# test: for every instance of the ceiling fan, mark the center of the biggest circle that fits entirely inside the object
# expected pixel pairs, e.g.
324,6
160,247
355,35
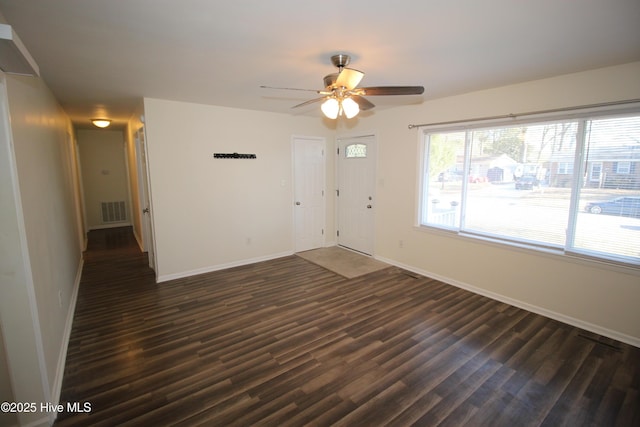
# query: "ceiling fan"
342,95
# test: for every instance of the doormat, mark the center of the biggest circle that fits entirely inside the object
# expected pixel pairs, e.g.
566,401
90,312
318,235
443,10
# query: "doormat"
342,261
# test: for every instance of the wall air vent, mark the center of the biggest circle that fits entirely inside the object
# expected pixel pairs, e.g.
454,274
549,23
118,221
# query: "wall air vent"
113,212
14,57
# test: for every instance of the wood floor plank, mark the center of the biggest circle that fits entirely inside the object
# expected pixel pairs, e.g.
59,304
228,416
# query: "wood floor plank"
286,342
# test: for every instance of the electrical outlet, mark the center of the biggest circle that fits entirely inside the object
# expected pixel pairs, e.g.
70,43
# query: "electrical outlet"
60,298
401,244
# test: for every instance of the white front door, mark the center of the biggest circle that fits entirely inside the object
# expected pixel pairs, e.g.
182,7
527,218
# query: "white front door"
309,192
356,198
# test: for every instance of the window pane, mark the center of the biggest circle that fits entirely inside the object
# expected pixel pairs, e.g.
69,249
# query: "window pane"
609,201
443,179
516,189
355,151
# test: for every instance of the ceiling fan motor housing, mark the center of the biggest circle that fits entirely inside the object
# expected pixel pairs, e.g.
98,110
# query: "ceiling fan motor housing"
330,80
340,60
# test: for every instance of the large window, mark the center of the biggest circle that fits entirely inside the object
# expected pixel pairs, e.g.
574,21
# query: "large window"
568,185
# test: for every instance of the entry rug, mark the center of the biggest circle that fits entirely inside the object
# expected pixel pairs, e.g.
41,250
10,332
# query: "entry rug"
343,261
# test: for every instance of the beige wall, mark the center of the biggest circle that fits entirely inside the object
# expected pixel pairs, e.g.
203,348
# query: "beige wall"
590,294
39,291
210,213
104,173
6,393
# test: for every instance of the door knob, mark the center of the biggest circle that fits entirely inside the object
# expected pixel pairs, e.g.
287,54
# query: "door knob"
368,206
145,210
298,203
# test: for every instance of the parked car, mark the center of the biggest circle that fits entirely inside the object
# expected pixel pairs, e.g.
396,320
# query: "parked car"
444,177
474,179
624,206
449,177
527,182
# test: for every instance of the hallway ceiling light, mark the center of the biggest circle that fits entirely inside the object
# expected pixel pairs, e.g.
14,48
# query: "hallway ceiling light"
101,123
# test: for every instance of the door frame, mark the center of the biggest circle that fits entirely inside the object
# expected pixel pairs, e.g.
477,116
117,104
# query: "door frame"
337,185
323,141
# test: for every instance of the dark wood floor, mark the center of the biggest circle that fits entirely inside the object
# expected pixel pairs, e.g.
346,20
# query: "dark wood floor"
288,343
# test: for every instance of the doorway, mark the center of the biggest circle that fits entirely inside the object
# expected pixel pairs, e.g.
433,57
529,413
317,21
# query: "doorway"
356,193
309,192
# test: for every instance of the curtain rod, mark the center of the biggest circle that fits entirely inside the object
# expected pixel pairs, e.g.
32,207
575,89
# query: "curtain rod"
530,113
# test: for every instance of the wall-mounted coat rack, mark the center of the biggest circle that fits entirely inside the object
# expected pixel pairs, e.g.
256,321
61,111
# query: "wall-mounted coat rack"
233,156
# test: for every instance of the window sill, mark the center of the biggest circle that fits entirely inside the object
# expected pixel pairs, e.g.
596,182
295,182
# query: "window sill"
535,250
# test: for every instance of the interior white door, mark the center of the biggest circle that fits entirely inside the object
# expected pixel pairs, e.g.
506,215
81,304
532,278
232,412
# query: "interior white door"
356,198
309,192
145,198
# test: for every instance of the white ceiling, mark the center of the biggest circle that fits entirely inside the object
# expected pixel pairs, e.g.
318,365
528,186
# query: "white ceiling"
100,57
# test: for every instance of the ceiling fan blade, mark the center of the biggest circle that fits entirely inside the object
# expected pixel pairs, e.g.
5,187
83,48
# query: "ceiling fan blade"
391,90
349,78
311,101
289,88
363,103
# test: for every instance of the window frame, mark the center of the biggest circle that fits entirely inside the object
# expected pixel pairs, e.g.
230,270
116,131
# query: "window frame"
623,170
566,168
580,173
356,151
592,168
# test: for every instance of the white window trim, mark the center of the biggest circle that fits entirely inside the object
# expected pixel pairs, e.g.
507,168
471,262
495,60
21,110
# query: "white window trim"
566,251
625,170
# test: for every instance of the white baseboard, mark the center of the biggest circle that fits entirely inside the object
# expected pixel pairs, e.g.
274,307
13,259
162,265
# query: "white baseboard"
115,225
597,329
56,388
167,277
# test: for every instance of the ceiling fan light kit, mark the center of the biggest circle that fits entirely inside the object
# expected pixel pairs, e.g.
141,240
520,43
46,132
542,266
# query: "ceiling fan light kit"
334,107
350,108
331,108
341,96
